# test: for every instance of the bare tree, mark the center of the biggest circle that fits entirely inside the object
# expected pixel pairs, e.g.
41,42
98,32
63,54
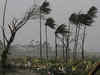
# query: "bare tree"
14,26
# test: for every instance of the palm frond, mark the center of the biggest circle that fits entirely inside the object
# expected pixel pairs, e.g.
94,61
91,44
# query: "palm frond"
62,29
45,8
92,11
74,18
50,22
86,20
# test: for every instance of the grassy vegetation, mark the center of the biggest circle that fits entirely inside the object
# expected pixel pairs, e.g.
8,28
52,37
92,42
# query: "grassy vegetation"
71,68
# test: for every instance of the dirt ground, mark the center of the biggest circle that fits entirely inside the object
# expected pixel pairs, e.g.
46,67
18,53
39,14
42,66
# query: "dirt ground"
20,72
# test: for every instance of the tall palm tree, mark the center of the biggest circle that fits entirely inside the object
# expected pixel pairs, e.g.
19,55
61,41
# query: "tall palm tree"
50,23
44,9
75,19
61,30
79,20
86,20
68,42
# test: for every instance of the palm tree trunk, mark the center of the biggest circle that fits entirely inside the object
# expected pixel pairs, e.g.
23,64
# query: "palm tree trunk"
56,46
74,49
68,41
46,42
67,50
67,47
63,49
40,37
83,42
76,41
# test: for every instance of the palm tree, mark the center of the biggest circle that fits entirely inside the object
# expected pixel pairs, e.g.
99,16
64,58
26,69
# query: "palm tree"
50,23
75,19
80,20
68,42
61,30
86,20
44,9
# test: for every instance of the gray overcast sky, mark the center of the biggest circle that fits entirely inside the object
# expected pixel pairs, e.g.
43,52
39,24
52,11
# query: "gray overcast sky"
61,10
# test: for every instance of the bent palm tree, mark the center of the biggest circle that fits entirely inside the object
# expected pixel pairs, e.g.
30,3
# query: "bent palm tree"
50,23
75,19
62,30
87,20
44,9
82,19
